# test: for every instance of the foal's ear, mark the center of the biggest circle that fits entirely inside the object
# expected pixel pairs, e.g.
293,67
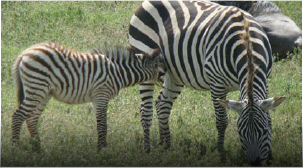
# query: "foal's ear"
155,53
158,56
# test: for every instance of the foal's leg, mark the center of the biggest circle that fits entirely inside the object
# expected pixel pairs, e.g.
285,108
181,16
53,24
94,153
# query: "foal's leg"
100,103
35,99
25,111
22,113
32,123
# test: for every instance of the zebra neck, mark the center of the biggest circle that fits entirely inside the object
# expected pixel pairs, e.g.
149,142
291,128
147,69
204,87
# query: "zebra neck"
132,74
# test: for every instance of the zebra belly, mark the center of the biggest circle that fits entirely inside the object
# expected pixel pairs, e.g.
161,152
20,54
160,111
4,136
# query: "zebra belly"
72,96
204,81
79,92
204,86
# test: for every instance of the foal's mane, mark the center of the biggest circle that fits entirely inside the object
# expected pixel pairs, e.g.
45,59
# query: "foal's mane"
115,52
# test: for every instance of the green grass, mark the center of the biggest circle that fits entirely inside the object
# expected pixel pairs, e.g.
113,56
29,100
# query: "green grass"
68,132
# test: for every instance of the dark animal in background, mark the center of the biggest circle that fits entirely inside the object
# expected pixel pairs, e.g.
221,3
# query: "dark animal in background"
283,32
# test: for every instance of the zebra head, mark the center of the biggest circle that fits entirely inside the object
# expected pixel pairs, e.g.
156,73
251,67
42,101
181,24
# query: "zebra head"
254,126
153,61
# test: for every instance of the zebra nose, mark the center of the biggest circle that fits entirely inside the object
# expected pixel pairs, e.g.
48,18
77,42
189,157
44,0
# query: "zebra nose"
256,162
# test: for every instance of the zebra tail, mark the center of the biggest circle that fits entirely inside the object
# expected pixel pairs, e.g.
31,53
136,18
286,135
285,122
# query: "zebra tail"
18,81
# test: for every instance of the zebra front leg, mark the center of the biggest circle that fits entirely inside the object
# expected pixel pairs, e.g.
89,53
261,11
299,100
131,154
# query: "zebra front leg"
100,103
221,120
146,110
270,157
169,93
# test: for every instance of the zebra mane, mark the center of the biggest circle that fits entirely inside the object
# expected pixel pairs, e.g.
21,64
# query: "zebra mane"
111,52
115,53
250,63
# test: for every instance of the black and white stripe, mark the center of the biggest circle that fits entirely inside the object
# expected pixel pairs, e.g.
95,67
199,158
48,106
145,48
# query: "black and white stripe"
206,46
51,70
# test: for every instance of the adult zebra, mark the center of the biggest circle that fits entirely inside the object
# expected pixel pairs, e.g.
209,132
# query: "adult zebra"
207,46
51,70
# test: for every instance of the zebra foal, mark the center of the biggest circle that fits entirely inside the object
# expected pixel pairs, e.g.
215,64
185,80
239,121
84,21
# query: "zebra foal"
51,70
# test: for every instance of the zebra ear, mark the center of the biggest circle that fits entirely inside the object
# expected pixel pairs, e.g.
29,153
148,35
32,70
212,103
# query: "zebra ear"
271,103
231,104
155,53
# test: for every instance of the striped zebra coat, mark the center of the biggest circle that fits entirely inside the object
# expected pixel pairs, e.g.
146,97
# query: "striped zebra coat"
207,46
51,70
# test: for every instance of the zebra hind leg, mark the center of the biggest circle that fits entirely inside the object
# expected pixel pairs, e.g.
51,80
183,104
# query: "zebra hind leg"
17,121
24,112
270,158
32,125
168,95
146,110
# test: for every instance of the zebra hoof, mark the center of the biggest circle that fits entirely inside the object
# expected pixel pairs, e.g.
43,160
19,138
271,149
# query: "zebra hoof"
212,149
269,160
100,148
203,149
36,148
35,145
161,142
147,150
223,154
15,142
167,146
165,143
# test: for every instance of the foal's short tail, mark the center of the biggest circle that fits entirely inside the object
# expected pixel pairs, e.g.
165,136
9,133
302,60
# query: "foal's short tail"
18,81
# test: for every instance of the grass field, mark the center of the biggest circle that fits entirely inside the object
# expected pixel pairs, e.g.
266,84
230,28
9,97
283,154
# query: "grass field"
68,132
